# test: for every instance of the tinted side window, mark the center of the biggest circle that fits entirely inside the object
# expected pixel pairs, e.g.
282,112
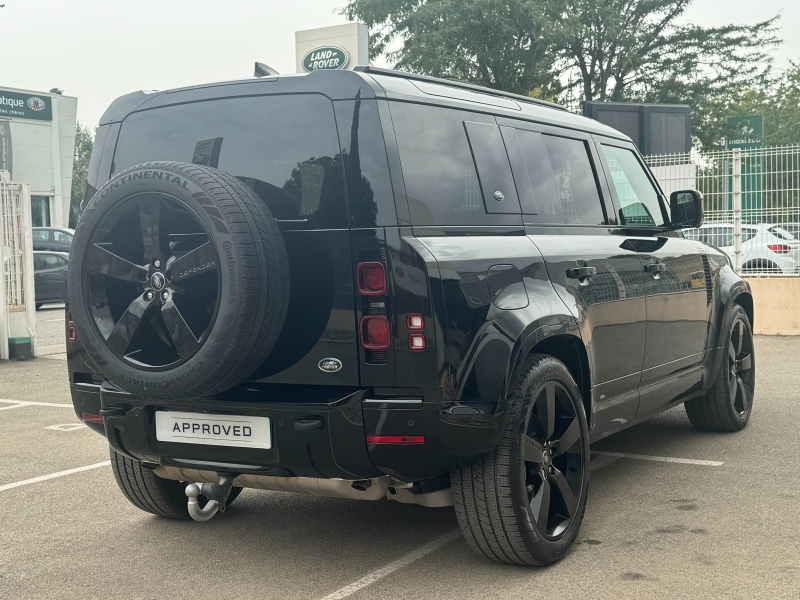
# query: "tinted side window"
62,237
494,172
39,235
284,147
638,198
440,177
561,177
748,233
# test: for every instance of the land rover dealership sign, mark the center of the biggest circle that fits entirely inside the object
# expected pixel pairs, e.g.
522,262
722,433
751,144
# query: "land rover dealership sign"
25,106
325,57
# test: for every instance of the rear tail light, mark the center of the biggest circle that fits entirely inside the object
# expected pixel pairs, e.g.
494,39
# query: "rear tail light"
416,341
371,278
375,333
71,333
91,417
779,248
395,439
416,322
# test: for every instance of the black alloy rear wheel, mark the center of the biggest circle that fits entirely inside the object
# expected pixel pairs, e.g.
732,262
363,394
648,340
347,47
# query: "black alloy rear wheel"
179,280
524,503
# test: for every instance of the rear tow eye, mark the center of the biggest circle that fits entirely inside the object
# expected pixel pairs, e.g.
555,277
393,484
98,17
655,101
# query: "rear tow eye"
217,494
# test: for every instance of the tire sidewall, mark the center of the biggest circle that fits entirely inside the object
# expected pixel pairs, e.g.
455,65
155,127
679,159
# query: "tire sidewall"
736,313
547,369
160,178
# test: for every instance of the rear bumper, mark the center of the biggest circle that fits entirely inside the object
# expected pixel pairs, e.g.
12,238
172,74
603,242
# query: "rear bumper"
338,449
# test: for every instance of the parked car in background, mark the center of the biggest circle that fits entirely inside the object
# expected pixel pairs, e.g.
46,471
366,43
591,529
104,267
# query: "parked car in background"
50,277
793,228
765,248
52,238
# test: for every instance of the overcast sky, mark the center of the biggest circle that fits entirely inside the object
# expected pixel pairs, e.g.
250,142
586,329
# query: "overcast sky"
98,50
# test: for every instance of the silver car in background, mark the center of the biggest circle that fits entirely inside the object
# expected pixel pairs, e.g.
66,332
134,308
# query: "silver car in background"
767,249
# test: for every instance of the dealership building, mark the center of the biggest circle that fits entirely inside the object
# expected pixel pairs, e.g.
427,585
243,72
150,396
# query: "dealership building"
37,143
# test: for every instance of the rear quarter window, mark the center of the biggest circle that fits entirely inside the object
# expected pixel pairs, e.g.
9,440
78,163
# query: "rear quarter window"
285,148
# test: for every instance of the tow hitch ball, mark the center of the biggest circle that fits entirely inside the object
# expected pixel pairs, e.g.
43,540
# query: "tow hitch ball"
216,493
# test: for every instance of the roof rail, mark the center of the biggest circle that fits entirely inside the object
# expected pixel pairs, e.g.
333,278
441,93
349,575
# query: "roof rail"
457,84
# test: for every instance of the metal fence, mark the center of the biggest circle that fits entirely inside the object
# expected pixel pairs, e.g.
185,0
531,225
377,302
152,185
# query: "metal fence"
12,245
751,200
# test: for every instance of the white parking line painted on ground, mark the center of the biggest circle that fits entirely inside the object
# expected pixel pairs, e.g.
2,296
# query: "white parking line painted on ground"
66,427
394,566
595,465
11,486
669,459
21,403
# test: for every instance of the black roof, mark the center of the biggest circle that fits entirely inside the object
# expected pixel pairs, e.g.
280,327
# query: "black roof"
367,82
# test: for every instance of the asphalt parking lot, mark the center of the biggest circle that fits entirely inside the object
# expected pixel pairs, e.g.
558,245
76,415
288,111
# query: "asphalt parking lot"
653,528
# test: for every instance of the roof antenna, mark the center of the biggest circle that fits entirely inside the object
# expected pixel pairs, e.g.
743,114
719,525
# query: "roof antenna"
263,70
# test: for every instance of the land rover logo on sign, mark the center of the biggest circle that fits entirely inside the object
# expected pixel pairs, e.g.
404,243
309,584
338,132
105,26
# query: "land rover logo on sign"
330,365
325,58
36,103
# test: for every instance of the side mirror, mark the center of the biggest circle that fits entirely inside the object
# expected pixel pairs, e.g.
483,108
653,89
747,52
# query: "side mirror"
687,209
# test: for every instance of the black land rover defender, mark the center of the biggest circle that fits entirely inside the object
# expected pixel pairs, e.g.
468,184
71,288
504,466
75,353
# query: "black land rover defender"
377,285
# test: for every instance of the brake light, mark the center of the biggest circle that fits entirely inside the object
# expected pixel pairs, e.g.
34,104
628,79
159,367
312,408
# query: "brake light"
375,333
72,334
69,318
395,439
371,278
779,248
91,417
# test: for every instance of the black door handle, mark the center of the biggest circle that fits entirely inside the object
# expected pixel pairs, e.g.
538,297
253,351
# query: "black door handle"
655,268
581,272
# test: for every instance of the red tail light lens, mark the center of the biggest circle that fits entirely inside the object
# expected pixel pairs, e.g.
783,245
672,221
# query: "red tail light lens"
395,439
91,417
371,278
73,335
69,318
779,248
375,333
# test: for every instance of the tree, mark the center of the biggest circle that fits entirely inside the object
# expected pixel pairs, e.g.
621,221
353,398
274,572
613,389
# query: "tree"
607,50
84,141
637,49
501,45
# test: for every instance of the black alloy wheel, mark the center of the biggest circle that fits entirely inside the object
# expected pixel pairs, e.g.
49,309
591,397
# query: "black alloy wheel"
553,460
728,404
524,502
741,378
179,281
153,280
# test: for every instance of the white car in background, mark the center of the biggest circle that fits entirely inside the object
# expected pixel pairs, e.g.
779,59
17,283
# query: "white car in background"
766,248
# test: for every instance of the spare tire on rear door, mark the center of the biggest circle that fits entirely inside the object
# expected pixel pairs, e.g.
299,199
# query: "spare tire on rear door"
178,281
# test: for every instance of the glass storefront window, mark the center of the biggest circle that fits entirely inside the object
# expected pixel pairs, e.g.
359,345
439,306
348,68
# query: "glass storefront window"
40,211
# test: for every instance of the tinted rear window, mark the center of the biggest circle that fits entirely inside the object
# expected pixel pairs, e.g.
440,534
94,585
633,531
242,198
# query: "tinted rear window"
283,147
441,181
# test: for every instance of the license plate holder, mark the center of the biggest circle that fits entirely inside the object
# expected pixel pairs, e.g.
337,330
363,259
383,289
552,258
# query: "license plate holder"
237,431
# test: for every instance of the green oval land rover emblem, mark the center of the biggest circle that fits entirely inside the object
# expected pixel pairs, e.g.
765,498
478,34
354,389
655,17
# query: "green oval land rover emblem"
325,57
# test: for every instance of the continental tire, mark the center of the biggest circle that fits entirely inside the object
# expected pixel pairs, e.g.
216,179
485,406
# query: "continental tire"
150,493
178,282
524,502
728,404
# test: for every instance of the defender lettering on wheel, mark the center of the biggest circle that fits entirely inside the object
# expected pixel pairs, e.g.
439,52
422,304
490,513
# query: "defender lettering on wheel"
387,286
